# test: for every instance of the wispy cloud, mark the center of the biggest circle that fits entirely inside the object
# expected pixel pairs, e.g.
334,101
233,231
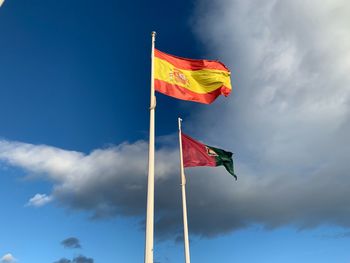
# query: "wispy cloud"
8,258
339,235
63,260
39,200
78,259
71,242
82,259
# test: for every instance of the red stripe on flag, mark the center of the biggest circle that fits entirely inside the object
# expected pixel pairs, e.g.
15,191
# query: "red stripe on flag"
190,64
186,94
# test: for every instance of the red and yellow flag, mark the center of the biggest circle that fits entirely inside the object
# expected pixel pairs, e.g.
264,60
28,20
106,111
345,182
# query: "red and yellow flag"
190,79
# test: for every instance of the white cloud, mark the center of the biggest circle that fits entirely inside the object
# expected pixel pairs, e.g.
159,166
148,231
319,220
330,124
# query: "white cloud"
106,181
39,200
288,118
8,258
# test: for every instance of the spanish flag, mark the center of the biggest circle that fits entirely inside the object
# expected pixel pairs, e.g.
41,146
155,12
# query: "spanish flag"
190,79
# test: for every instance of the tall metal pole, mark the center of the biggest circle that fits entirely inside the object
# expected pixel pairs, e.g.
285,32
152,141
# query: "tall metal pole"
150,189
184,205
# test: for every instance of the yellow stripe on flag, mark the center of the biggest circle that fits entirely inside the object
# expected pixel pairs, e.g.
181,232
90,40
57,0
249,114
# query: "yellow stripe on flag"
199,81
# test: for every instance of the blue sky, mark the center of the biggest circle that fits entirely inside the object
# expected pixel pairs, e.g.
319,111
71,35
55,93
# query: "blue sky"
74,98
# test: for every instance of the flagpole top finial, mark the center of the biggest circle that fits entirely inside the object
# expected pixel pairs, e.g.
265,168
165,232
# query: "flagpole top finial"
154,33
179,120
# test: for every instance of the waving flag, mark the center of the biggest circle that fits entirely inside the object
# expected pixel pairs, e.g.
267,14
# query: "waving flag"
190,79
199,154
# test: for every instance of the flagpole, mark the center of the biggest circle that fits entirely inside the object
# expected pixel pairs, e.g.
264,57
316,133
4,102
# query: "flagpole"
184,205
150,188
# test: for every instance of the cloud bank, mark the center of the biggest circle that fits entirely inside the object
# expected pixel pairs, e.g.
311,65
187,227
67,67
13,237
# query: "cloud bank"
288,118
106,182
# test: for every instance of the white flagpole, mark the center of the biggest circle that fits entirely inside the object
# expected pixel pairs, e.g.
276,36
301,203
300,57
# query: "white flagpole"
184,205
150,188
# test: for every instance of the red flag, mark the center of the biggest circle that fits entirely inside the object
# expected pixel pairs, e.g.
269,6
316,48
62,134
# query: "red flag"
196,153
